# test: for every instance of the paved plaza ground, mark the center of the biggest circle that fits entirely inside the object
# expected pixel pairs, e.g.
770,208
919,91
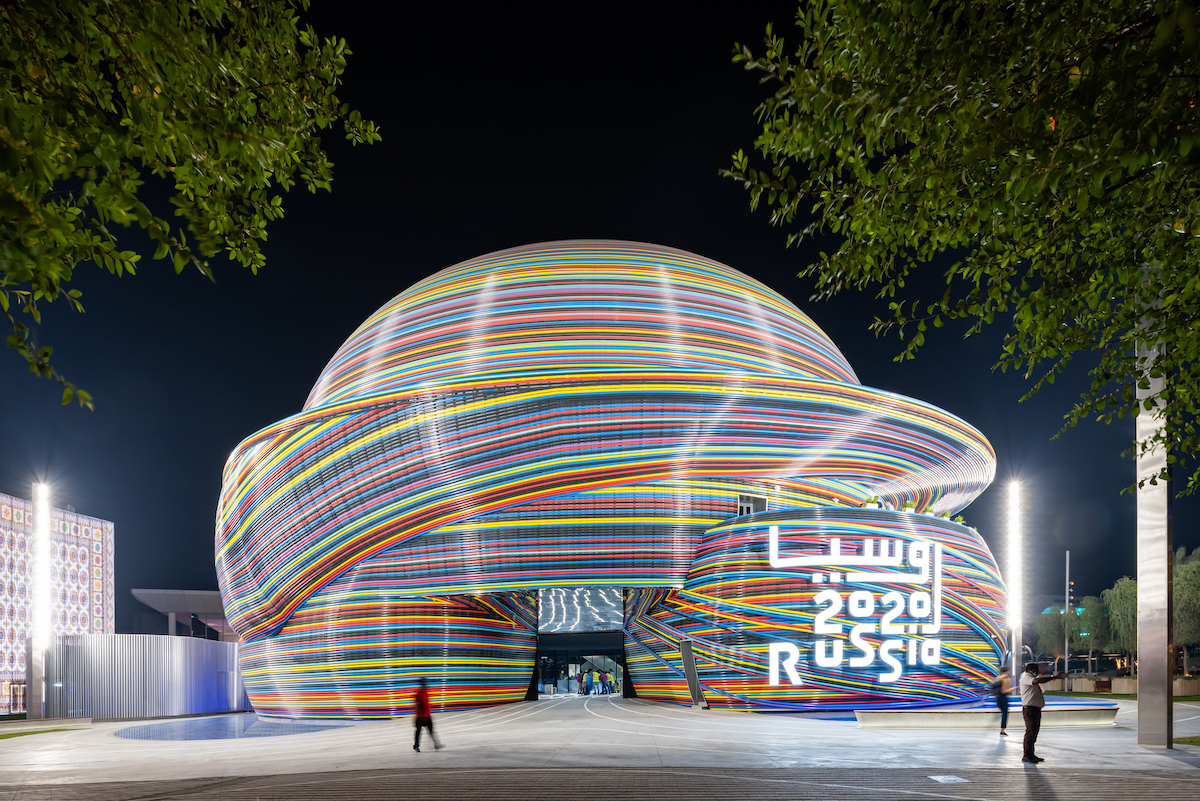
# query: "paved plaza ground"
603,748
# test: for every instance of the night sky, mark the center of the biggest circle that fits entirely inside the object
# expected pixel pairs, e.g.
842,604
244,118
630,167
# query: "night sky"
501,127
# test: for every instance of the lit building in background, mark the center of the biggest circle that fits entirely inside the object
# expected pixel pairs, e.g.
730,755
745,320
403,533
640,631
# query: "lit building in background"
753,527
80,585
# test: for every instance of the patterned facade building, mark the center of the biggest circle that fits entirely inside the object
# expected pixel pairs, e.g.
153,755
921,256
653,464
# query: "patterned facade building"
81,593
606,414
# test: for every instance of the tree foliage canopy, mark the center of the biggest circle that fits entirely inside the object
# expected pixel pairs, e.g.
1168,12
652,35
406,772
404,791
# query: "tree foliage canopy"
1049,150
1121,600
1053,629
220,101
1094,633
1186,596
1121,603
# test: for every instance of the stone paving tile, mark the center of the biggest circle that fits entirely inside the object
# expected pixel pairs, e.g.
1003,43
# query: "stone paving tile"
640,784
621,748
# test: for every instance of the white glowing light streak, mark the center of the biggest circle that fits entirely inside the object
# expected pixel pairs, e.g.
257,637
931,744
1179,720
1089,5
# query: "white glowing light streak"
1013,583
40,628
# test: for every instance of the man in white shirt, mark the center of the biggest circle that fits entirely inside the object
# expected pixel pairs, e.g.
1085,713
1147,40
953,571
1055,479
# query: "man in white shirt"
1032,702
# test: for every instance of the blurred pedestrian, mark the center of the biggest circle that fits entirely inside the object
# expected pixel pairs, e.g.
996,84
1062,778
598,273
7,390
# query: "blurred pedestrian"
424,717
1001,687
588,676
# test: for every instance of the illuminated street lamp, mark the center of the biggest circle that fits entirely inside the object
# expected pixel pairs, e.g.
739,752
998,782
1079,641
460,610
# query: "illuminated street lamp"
40,625
1013,579
39,635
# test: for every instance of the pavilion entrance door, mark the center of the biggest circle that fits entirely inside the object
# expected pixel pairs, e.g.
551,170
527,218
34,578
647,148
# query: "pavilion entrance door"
581,664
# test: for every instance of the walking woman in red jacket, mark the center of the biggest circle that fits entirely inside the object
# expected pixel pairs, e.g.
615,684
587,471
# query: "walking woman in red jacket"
424,717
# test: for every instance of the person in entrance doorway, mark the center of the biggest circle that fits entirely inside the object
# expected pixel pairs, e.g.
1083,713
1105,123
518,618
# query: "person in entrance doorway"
1032,702
1001,687
424,718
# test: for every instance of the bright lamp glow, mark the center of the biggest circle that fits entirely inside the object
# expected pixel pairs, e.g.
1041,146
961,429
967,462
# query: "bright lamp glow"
1013,579
40,628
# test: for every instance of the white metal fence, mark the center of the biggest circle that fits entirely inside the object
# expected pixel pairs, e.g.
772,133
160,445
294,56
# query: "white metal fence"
130,676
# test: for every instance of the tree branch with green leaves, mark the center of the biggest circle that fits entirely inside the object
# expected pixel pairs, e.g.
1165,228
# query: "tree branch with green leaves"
1046,152
222,103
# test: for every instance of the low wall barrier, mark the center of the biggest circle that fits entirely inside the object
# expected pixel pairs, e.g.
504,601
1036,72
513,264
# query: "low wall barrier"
1182,685
1125,686
1054,716
1186,686
134,676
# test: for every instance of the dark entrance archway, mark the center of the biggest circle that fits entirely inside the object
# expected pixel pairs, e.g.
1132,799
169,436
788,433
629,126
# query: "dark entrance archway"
560,657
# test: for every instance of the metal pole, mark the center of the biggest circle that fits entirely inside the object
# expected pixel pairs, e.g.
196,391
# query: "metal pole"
1155,652
1067,628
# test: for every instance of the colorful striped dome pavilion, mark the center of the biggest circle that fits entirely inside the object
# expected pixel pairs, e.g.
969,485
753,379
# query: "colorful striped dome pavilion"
606,414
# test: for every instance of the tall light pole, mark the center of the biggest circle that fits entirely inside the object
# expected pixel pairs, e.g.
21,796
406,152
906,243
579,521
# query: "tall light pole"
1015,569
39,639
1067,627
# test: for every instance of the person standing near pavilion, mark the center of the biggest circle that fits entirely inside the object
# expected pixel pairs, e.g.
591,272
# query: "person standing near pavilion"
424,717
1032,702
588,677
1001,687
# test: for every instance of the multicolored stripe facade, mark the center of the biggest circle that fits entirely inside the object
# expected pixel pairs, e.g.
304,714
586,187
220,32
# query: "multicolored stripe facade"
735,603
583,414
